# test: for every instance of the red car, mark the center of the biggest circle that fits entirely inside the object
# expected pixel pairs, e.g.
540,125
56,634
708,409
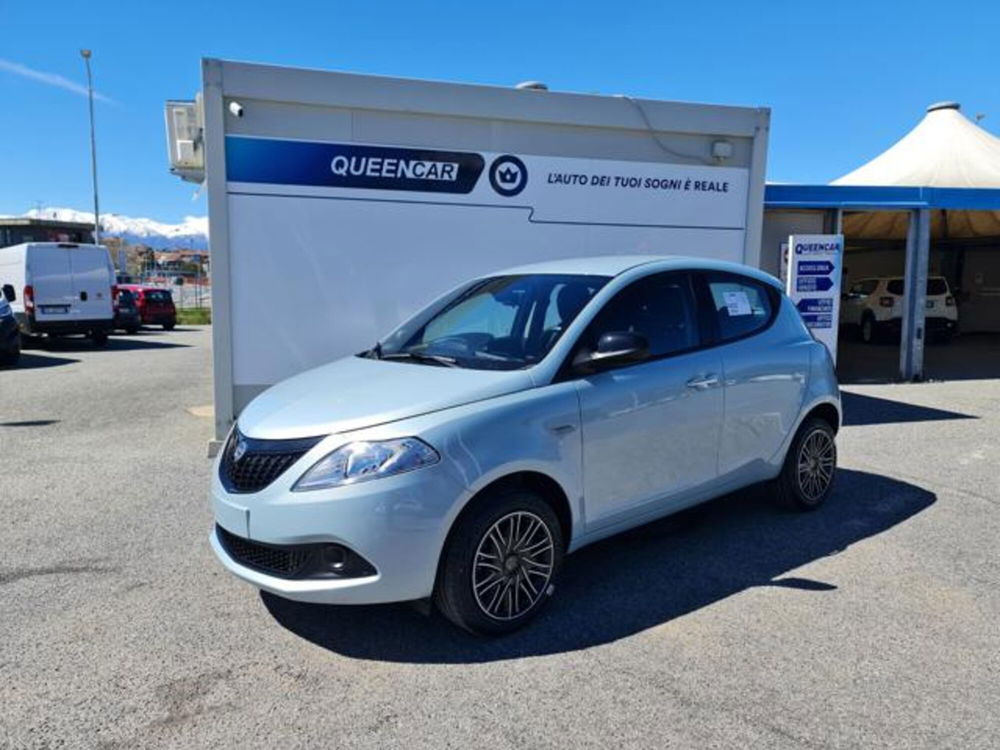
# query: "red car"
156,306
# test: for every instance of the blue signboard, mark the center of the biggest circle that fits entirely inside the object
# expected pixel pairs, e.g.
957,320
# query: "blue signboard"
815,304
814,277
813,284
815,267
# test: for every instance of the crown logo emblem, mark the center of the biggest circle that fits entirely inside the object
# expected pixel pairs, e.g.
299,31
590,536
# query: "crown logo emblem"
508,176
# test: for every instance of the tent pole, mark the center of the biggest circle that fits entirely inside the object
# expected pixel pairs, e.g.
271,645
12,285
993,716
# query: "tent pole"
911,346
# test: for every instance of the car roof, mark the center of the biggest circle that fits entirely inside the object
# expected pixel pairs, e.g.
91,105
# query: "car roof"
615,265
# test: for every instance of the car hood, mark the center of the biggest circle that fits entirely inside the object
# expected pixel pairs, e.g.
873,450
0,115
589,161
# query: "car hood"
356,392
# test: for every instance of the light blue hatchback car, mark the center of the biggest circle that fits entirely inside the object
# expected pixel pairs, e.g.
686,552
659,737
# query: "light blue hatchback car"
518,418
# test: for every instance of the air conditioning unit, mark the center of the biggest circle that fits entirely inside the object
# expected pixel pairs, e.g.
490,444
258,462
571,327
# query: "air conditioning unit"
185,141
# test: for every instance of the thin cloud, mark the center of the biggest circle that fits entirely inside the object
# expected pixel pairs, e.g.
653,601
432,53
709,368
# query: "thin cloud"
50,79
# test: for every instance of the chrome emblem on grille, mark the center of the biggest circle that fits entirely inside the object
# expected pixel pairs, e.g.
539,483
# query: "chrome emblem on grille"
241,448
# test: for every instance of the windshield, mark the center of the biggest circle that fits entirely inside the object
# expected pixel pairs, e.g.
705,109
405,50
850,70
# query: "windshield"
499,323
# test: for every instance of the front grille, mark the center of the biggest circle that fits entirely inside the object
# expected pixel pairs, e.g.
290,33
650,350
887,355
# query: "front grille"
286,562
316,560
261,462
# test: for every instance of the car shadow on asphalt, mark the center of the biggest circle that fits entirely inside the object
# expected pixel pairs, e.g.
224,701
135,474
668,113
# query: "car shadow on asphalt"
37,361
868,410
115,344
634,581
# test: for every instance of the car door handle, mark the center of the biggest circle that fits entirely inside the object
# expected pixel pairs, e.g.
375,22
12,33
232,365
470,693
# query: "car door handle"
702,383
562,429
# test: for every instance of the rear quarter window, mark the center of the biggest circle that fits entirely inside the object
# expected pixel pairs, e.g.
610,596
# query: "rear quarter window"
743,306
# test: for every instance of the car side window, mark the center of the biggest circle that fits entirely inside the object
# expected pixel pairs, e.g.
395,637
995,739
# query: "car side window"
660,307
869,286
742,306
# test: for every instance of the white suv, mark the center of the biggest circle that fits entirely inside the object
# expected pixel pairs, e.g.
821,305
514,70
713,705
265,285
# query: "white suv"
876,306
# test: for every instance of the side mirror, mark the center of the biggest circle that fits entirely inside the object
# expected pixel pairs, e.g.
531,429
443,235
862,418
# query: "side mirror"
613,348
8,292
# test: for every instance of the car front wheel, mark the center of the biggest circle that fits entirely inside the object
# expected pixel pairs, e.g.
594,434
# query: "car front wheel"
500,563
10,358
807,475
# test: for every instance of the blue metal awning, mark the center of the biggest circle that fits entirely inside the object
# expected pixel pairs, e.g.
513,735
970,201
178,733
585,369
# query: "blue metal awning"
873,198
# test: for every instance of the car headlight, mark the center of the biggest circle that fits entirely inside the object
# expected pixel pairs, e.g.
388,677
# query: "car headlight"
361,461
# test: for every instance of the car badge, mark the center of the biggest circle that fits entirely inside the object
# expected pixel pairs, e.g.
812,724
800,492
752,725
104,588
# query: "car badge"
241,449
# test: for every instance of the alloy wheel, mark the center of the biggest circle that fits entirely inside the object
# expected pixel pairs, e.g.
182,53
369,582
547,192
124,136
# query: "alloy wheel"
817,459
513,565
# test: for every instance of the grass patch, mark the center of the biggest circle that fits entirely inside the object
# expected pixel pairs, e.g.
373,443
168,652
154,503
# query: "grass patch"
195,316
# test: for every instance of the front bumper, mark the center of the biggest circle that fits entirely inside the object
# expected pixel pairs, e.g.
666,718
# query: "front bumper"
397,524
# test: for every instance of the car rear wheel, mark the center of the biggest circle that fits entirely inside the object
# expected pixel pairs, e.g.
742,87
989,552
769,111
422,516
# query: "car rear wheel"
500,563
806,478
168,326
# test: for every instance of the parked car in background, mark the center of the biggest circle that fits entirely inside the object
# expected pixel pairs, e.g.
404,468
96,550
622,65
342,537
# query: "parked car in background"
127,313
875,306
63,288
10,336
156,306
516,419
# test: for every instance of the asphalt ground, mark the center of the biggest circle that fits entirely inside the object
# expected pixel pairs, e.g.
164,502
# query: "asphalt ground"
870,623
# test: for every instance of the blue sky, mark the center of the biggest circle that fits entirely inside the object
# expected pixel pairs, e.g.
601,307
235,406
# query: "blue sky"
844,80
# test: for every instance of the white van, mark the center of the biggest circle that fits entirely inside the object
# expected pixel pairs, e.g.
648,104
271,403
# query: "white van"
60,288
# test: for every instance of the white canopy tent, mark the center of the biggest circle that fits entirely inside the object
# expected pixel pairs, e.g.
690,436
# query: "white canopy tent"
944,150
945,153
938,185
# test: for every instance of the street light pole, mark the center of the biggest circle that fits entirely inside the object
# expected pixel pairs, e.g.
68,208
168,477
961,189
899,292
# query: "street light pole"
85,54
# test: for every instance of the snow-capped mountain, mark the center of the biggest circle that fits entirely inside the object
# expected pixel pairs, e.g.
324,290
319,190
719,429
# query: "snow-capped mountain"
190,233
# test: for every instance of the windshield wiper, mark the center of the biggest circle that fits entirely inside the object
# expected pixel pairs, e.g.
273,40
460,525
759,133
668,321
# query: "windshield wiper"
421,357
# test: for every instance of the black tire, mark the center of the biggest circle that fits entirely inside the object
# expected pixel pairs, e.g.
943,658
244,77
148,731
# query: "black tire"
467,563
99,338
799,487
869,329
169,326
10,358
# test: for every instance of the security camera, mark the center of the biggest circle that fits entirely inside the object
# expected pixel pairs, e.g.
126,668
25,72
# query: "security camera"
236,109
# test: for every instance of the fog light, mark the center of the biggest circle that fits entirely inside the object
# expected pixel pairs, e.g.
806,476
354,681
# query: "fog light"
337,561
334,557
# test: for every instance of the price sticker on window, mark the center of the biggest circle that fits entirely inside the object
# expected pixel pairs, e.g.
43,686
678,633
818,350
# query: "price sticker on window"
737,303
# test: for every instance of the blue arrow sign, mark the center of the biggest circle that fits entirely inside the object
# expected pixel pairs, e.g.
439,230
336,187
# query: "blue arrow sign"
815,267
815,304
820,320
813,284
